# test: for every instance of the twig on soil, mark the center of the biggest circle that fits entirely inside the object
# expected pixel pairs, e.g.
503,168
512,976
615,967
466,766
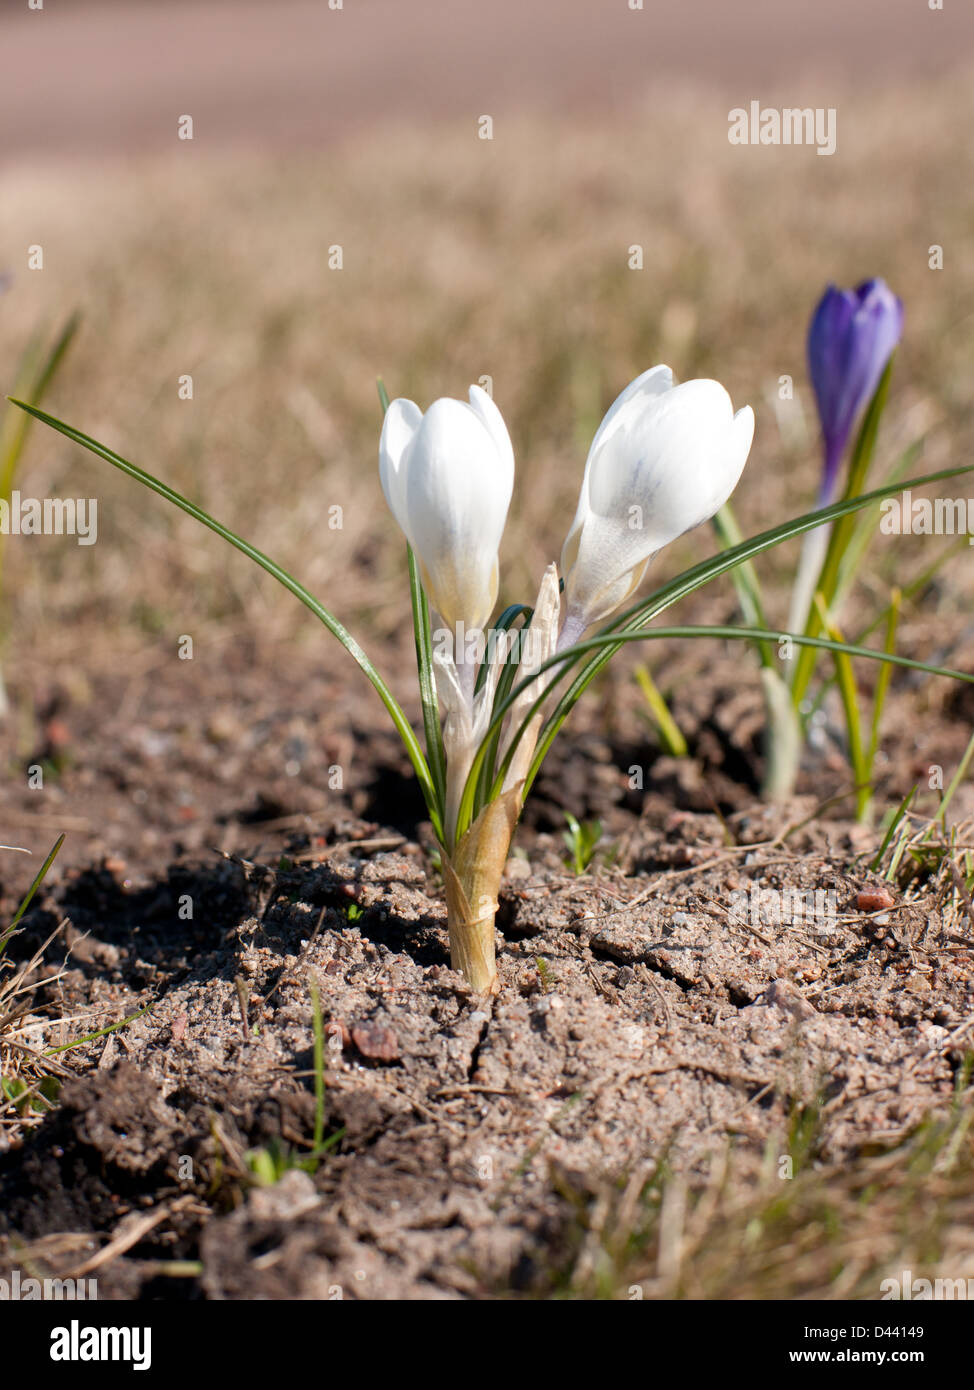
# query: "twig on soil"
606,991
381,843
130,1232
243,1000
422,1110
454,1092
718,909
647,979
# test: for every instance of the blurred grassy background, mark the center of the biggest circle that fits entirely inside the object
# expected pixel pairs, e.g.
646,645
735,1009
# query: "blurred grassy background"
462,257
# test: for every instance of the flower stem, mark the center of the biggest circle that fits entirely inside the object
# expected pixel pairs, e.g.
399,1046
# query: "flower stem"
472,875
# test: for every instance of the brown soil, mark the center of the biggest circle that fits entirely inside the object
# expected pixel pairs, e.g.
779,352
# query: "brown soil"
637,1017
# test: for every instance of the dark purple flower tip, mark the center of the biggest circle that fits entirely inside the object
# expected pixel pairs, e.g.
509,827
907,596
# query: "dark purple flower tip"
850,339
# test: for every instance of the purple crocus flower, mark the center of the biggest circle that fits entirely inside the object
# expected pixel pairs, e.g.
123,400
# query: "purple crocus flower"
851,338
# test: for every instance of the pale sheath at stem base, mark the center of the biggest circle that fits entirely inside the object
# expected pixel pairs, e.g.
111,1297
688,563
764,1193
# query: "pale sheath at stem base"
472,876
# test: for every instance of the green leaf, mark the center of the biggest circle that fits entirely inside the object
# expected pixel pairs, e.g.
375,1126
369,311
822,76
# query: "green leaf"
582,841
505,681
333,625
866,525
612,641
427,681
844,532
745,579
642,612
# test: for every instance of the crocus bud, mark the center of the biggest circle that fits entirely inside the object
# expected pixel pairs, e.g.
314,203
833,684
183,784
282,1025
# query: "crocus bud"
850,339
664,459
448,477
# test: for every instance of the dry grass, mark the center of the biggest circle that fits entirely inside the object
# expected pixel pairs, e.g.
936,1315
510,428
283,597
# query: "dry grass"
461,258
762,1231
29,1078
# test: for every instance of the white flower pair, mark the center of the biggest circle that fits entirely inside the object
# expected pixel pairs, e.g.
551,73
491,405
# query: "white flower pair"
664,459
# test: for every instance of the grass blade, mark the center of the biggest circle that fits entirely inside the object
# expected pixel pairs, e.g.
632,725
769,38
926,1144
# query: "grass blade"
33,384
29,895
843,532
885,674
669,731
955,782
505,681
849,695
745,579
101,1032
896,820
427,681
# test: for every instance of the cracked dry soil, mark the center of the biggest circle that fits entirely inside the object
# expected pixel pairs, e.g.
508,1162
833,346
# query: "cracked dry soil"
636,1018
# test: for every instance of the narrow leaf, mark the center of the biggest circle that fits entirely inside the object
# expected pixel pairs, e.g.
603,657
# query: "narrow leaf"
333,625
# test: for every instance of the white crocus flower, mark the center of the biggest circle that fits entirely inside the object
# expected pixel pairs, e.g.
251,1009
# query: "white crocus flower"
448,477
664,459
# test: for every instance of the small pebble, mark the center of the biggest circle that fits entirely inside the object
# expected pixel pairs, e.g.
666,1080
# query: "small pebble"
376,1042
874,900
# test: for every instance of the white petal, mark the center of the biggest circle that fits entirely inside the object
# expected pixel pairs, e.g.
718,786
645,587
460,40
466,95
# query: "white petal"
743,433
669,461
655,382
399,428
610,564
457,494
486,411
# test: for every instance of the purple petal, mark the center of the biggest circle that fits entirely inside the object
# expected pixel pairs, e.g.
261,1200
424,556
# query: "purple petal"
850,340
